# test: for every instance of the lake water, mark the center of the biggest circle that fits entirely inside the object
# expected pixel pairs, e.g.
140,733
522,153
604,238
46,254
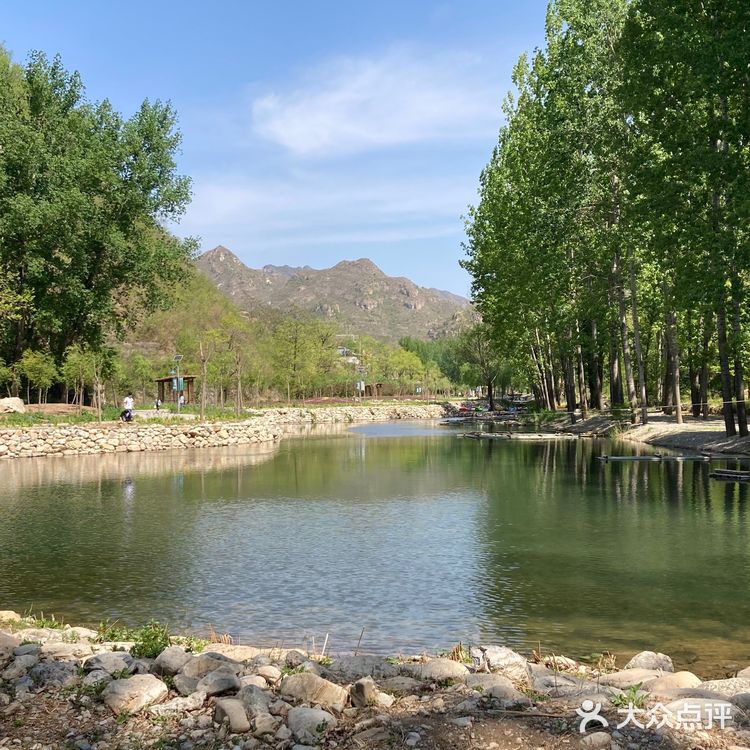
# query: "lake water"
419,537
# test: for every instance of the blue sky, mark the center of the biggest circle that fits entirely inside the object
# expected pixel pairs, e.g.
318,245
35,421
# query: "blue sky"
314,132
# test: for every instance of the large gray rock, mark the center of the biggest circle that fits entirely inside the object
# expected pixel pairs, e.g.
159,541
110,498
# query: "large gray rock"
742,701
672,681
309,724
503,660
113,662
171,660
8,643
28,649
254,699
650,660
19,666
351,668
295,658
264,724
233,712
8,405
54,674
402,685
55,650
185,685
254,679
558,684
222,680
438,670
97,678
202,664
509,698
365,692
626,678
729,687
270,673
672,694
310,688
192,702
86,634
484,681
134,693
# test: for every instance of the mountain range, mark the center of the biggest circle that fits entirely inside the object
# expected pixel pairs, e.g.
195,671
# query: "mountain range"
356,295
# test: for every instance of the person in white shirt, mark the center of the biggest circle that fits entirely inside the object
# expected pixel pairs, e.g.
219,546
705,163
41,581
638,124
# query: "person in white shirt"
128,405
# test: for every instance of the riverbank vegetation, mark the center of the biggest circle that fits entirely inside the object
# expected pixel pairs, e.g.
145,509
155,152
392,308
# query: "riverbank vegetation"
608,248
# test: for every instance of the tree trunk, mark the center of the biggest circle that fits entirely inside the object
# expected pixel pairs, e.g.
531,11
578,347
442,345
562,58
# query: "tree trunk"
695,384
704,372
553,384
739,377
238,398
624,339
668,402
490,394
581,378
204,372
542,379
615,380
674,359
659,359
637,344
726,379
570,388
595,369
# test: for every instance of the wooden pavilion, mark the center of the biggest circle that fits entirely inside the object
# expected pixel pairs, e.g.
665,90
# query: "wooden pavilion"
170,390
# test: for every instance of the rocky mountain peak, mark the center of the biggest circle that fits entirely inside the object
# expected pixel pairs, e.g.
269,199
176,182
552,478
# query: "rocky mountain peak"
355,294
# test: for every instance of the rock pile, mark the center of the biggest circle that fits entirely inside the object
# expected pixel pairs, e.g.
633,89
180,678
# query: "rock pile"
62,688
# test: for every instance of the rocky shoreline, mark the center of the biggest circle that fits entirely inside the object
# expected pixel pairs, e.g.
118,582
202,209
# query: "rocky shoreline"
266,427
71,687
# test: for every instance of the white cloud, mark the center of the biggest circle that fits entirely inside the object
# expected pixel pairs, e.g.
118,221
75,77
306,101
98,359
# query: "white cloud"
326,208
355,104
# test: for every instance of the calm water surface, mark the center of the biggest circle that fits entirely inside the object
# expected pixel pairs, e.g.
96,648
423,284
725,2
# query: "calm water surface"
420,537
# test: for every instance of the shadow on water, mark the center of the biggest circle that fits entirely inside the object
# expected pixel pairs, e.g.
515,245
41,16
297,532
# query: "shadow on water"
423,539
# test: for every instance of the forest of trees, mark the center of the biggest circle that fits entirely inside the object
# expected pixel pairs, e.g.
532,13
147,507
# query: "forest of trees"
609,246
96,296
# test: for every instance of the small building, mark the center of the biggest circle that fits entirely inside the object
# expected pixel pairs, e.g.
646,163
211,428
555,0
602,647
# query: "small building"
170,390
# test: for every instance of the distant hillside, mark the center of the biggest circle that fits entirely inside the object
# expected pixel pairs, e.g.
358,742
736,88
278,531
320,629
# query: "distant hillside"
355,294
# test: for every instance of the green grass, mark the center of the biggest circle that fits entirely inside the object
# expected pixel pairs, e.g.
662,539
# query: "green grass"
41,620
35,419
190,643
114,630
150,640
632,696
168,414
292,670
